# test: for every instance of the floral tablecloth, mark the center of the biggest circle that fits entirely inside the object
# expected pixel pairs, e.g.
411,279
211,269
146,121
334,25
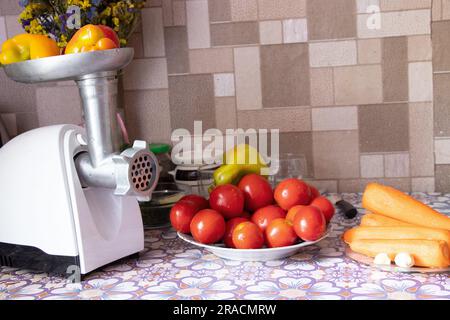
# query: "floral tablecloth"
172,269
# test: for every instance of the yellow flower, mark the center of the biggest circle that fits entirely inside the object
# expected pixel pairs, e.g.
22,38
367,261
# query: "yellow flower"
116,21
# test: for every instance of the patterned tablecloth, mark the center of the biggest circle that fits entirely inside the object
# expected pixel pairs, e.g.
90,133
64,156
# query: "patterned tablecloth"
172,269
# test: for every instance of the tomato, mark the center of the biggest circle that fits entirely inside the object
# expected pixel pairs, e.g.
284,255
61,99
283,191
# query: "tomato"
181,215
199,201
228,200
265,215
292,192
110,34
325,206
310,224
208,226
257,192
293,212
314,192
280,233
246,215
231,224
247,235
105,44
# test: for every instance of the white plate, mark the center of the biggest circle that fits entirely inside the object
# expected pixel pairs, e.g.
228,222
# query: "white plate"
392,268
265,254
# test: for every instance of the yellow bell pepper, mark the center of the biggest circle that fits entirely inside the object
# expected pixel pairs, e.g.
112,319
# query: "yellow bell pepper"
92,38
27,46
238,162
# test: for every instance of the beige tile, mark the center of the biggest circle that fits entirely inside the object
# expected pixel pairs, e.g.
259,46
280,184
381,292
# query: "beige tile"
136,42
10,7
13,27
441,46
331,19
419,48
335,118
153,32
399,23
177,50
399,5
10,122
436,12
441,103
244,10
281,9
365,6
343,145
248,78
215,60
144,74
219,10
226,116
358,85
445,9
26,121
236,33
140,110
395,69
372,166
321,86
192,99
442,150
359,185
396,165
421,139
423,184
270,32
284,119
383,128
198,24
224,85
295,30
369,51
51,111
336,53
442,180
283,70
16,97
330,186
3,33
167,12
420,81
179,13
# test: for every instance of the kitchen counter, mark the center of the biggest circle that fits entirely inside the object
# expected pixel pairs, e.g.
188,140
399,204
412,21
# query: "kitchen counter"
172,269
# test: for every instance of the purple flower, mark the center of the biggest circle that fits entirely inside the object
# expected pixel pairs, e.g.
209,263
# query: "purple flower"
24,3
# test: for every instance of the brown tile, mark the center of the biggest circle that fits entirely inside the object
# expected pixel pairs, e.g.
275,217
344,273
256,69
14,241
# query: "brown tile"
16,97
442,180
140,110
398,5
299,143
214,60
331,19
369,51
26,121
244,10
192,98
10,7
283,70
51,111
441,105
226,117
441,45
344,163
420,48
219,10
395,69
177,51
359,185
322,87
281,9
421,139
285,119
383,128
136,42
236,33
179,13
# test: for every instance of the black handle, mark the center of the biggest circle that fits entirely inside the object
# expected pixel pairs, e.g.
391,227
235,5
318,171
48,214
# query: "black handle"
347,209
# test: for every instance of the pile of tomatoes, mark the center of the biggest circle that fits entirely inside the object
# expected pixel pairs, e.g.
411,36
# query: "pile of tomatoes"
251,215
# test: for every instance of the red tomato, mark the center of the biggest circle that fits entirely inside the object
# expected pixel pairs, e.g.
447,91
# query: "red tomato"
314,192
208,226
181,215
293,212
265,215
199,201
110,34
280,233
247,235
325,206
292,192
231,224
246,215
310,224
228,200
257,192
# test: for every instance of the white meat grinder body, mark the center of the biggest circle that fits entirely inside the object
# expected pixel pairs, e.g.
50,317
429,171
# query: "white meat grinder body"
68,197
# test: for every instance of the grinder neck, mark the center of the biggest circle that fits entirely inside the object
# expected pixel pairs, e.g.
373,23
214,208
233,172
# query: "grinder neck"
99,96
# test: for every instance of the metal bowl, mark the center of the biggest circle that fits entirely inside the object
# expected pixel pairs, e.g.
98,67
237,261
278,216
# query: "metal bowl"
69,67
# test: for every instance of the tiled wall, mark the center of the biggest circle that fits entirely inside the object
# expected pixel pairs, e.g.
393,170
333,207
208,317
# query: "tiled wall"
357,102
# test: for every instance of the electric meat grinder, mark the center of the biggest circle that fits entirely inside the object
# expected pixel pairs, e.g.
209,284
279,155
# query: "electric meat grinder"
68,197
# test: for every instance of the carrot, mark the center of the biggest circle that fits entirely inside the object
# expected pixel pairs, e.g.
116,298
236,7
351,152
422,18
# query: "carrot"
426,253
377,220
395,204
399,233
